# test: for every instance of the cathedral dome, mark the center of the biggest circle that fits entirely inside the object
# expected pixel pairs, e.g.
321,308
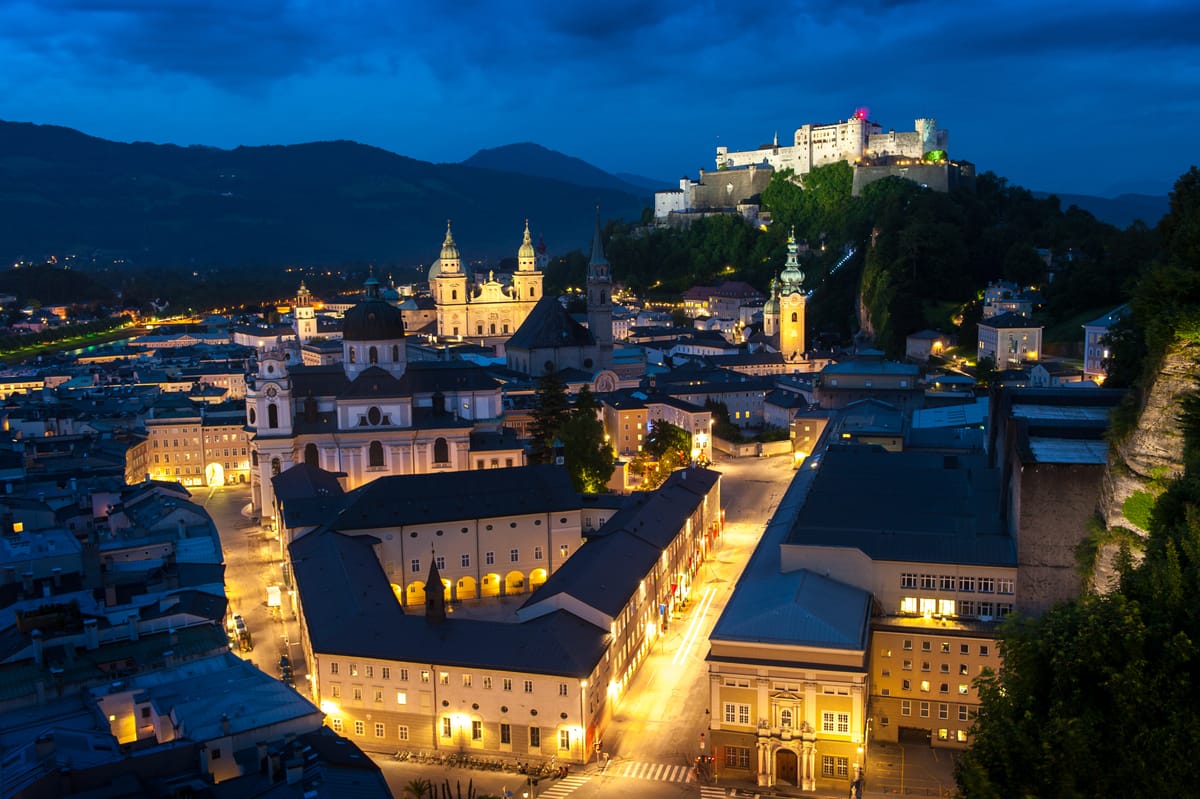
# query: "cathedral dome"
526,250
449,248
373,318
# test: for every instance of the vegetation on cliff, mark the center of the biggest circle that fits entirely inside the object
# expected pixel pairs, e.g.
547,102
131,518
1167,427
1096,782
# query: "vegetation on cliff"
1098,697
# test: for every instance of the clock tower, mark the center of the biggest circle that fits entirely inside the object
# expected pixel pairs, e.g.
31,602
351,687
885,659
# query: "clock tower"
792,302
269,422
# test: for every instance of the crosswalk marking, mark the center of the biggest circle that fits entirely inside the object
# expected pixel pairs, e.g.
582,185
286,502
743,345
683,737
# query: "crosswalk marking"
649,771
709,792
562,787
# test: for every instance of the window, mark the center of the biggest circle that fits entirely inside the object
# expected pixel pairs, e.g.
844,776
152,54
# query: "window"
358,693
360,728
404,675
962,669
335,690
563,551
785,718
964,649
946,582
333,667
446,727
827,721
944,688
908,580
514,555
843,722
529,686
415,565
737,713
908,643
945,668
963,689
966,583
424,676
476,730
402,697
272,416
962,712
379,729
507,683
905,707
986,610
466,561
928,581
487,683
1004,585
961,737
489,558
466,681
402,732
537,553
562,689
925,665
984,650
966,607
441,561
906,665
441,451
375,454
926,646
906,685
564,740
925,686
505,733
379,696
336,724
444,677
987,585
737,757
535,738
832,766
924,710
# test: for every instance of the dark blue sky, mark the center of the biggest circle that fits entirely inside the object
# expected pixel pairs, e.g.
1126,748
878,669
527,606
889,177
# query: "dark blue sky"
1092,97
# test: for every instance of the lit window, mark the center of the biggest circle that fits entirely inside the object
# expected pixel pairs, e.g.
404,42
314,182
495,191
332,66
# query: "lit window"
402,697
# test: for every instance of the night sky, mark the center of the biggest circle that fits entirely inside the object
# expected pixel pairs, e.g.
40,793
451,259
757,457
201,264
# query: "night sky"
1092,97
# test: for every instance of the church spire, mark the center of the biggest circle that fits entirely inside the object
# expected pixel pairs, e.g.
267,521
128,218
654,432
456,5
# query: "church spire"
792,278
435,594
526,255
597,258
450,257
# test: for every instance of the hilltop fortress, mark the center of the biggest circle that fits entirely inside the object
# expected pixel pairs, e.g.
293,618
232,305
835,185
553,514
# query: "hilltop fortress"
918,155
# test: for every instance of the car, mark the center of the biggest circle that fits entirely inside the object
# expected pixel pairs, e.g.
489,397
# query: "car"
285,663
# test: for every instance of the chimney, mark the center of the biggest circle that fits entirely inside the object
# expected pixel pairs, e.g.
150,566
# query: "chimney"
133,628
295,770
91,634
39,648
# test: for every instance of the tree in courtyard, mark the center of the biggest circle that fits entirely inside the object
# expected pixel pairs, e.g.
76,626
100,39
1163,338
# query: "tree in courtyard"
550,411
589,458
667,447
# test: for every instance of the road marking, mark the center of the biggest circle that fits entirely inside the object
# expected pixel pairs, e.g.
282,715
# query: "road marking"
693,630
660,772
563,787
709,792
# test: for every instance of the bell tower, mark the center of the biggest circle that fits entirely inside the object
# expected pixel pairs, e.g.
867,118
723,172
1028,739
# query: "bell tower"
527,280
792,302
450,290
599,300
305,315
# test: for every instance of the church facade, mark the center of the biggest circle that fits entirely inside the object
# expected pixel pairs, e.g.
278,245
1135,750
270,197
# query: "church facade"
488,309
371,415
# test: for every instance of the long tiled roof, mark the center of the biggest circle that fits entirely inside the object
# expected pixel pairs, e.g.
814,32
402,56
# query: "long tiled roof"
549,325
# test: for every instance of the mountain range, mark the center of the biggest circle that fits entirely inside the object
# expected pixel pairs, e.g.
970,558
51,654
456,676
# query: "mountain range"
324,203
63,192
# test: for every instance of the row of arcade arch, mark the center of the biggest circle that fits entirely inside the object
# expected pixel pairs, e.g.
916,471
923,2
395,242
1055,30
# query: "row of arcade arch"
490,585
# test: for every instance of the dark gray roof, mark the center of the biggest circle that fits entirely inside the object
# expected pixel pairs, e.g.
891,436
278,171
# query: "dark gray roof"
549,325
429,498
800,608
304,480
603,574
906,506
1008,320
350,610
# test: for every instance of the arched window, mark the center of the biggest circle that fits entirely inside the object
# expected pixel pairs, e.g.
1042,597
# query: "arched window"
493,329
785,718
310,455
253,416
395,353
795,318
454,294
603,298
441,451
373,355
531,290
275,466
272,416
353,355
375,454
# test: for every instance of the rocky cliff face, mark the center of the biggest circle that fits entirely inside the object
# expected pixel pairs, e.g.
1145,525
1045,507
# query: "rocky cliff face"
1151,452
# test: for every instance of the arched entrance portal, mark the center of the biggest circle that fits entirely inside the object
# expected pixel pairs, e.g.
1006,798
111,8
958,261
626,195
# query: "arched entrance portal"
514,583
214,475
786,766
490,585
416,593
466,588
536,578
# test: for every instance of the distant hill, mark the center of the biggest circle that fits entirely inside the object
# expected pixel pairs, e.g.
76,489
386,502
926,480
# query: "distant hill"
528,158
649,184
64,192
1120,211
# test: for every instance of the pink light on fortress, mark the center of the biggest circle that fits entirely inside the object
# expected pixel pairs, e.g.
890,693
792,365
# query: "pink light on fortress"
861,112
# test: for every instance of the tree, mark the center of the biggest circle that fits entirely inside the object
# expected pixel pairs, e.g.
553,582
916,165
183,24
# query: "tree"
419,789
667,447
550,410
589,458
